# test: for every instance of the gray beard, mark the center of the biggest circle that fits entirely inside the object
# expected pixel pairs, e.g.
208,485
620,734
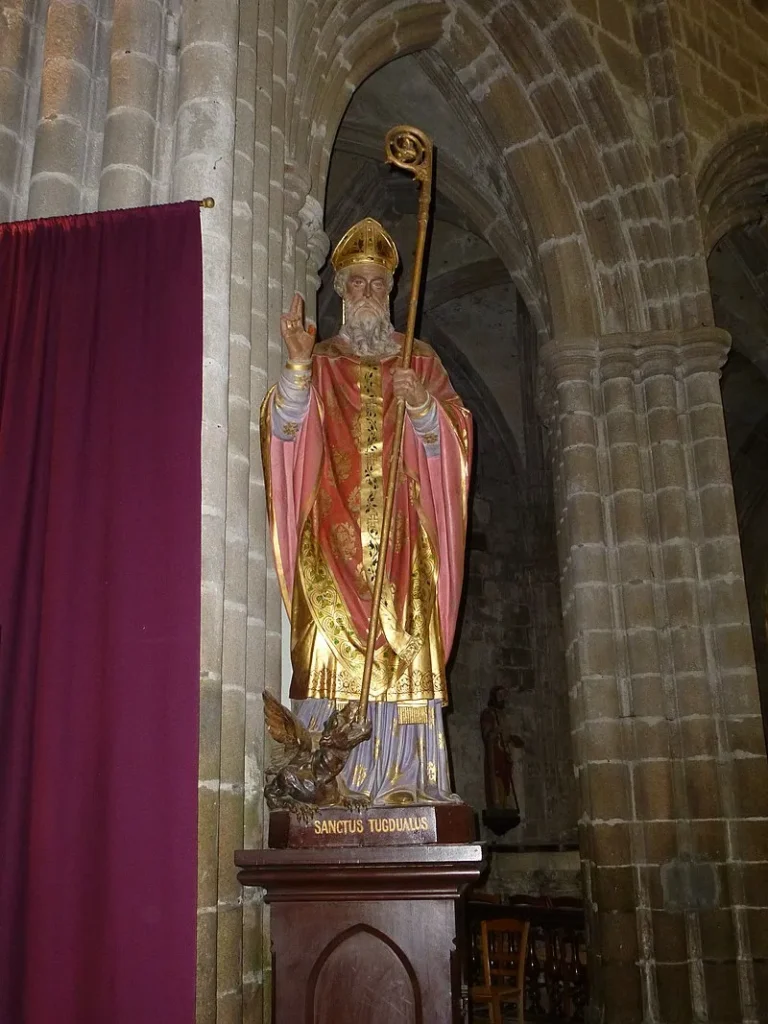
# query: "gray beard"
370,337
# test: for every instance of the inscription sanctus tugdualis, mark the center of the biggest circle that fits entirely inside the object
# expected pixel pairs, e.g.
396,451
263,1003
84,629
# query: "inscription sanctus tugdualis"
380,826
357,826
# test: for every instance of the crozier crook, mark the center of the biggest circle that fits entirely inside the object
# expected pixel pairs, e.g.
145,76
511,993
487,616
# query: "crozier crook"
409,149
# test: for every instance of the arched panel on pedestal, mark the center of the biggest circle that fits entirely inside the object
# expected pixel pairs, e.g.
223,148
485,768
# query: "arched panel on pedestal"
385,987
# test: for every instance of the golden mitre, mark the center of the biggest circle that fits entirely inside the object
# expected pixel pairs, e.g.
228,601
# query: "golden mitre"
366,242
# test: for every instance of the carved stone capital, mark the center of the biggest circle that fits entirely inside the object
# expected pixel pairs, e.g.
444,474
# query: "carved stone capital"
297,184
637,356
318,242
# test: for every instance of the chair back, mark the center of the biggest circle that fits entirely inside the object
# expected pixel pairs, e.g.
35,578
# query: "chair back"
503,947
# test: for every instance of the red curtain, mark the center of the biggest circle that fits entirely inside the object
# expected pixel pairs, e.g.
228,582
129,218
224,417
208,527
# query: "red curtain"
100,412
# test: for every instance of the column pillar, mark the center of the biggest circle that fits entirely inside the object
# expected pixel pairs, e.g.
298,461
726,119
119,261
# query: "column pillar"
203,165
21,30
665,715
71,87
130,127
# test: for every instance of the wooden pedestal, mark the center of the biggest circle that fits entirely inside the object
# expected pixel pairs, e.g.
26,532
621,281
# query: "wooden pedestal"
364,935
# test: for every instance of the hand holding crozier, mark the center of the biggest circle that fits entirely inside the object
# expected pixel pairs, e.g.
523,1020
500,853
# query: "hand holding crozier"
406,385
298,341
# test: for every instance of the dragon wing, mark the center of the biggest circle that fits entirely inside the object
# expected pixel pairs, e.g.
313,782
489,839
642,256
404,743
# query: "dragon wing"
284,727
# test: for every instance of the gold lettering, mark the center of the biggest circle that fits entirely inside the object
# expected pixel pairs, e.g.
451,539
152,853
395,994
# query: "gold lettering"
405,824
317,827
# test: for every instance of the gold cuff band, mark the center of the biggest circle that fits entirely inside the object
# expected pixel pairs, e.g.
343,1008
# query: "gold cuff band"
294,364
419,411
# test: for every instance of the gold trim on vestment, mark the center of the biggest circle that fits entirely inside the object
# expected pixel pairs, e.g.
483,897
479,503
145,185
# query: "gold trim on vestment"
265,425
370,444
318,602
326,650
265,437
459,425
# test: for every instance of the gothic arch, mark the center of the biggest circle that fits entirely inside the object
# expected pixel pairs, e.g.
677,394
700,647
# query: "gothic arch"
535,79
732,184
454,284
732,189
489,219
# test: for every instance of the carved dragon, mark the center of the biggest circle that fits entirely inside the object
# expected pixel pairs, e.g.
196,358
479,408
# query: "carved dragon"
304,774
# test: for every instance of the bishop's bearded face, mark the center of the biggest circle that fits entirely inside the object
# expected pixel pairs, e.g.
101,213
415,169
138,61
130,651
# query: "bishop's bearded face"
367,327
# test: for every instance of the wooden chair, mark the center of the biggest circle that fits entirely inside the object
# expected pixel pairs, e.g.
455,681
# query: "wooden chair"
503,946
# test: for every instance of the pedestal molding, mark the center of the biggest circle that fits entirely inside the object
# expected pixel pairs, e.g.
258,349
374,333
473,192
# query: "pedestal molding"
349,873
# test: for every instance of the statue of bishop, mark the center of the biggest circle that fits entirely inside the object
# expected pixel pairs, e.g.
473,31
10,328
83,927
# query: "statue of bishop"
327,430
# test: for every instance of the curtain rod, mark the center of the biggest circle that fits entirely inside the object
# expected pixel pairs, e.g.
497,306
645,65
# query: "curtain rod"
208,203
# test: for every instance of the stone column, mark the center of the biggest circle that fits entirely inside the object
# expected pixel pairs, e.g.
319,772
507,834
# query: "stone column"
21,50
130,127
72,92
204,158
273,260
280,256
665,716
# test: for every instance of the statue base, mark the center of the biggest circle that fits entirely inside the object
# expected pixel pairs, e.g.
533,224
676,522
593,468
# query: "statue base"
414,825
364,934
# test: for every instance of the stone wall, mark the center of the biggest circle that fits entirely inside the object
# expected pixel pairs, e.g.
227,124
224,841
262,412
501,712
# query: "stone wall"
510,634
722,59
537,873
721,54
581,183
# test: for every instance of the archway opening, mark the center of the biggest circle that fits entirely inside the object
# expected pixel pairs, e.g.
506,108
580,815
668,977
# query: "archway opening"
738,268
733,194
